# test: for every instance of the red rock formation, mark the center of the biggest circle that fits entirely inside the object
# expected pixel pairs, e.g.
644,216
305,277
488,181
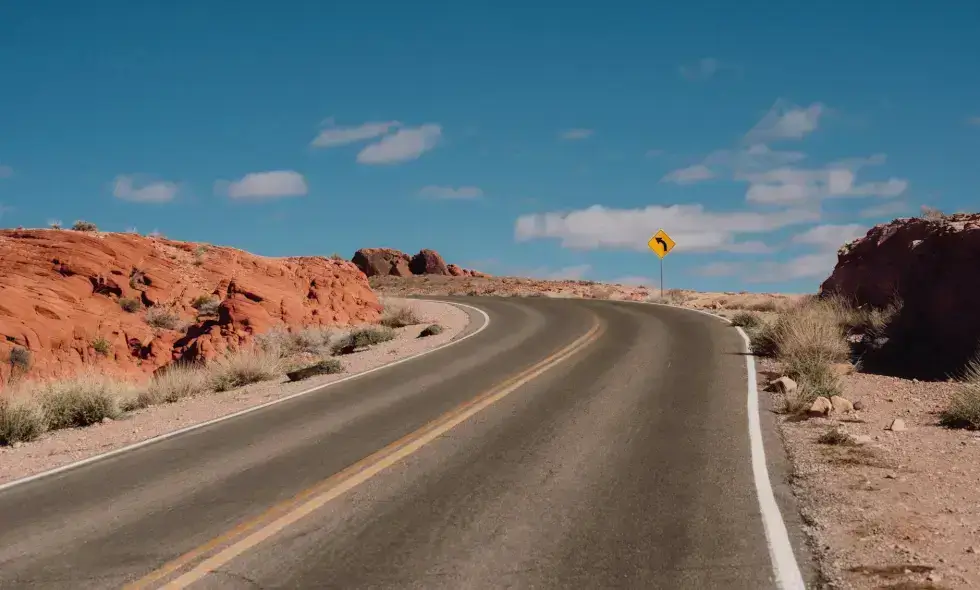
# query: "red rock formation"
382,262
932,266
61,290
428,262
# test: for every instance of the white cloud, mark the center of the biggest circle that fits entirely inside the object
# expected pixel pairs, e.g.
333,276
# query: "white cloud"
889,209
573,134
818,264
702,70
693,228
786,121
689,175
448,192
262,185
406,144
126,187
830,237
786,186
6,171
335,136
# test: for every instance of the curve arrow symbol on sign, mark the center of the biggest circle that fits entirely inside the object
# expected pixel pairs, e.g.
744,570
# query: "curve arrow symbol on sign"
661,242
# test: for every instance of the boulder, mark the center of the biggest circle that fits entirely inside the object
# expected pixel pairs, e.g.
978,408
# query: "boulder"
784,385
428,262
382,262
820,407
841,404
931,266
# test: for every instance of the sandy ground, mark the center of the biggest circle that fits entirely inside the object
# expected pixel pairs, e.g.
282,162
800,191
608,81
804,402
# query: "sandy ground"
902,511
61,447
724,303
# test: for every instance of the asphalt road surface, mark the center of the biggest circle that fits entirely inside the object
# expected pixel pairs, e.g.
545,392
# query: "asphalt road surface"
570,444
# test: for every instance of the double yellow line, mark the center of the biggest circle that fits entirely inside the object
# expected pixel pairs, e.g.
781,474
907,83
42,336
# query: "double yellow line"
250,533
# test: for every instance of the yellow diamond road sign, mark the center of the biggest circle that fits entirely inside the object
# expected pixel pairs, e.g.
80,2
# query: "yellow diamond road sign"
661,243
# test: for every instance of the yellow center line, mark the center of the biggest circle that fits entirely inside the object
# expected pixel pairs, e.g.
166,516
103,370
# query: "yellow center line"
255,530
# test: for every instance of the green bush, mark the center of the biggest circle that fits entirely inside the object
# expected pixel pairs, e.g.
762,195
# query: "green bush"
102,346
20,421
162,317
81,225
746,319
79,402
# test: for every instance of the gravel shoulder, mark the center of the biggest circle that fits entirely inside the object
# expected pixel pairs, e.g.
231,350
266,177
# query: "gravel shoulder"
901,511
61,447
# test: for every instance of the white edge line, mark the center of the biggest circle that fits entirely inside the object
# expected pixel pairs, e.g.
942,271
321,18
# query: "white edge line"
166,435
785,568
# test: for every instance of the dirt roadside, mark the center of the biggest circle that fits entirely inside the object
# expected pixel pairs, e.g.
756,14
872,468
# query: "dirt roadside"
901,510
61,447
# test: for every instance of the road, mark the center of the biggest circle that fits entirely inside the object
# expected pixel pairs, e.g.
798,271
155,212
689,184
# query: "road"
608,448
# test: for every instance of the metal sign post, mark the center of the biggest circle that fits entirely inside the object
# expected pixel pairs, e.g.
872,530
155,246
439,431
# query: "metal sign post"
661,244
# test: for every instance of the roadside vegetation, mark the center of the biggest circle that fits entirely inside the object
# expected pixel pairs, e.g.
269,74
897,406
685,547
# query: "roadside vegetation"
29,408
811,339
963,408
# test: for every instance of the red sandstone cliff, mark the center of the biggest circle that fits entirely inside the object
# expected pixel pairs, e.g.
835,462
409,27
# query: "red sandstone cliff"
62,294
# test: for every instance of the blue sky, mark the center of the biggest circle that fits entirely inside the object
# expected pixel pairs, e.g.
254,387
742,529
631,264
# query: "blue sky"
545,138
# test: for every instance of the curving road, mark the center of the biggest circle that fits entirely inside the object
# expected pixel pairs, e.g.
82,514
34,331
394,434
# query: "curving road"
569,444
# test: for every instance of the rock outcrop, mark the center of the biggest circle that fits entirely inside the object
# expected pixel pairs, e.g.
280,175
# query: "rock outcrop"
382,262
78,300
375,262
428,262
933,267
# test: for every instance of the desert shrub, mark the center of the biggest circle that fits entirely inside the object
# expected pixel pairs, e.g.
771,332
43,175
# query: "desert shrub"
431,330
670,296
248,365
311,339
746,319
764,305
102,346
321,367
199,254
399,316
54,224
176,382
81,225
19,358
963,408
21,420
79,401
162,317
835,436
362,338
130,304
336,256
932,213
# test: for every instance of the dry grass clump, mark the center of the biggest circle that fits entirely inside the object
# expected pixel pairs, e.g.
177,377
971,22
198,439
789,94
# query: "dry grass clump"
172,384
130,304
835,436
746,319
670,297
243,367
399,316
21,420
963,408
808,338
312,340
162,317
79,401
362,338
